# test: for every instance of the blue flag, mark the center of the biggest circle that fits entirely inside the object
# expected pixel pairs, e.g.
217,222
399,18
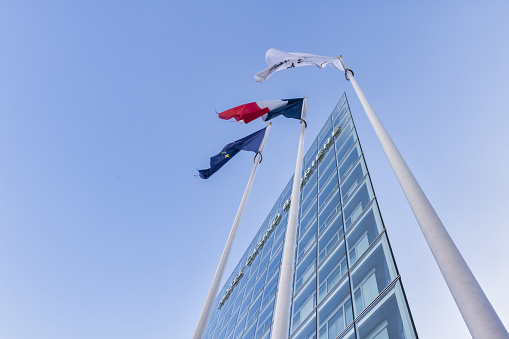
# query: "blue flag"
250,143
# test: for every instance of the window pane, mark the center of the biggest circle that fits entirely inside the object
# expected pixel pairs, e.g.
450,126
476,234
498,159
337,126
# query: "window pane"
253,310
331,210
270,289
327,172
303,304
309,216
327,190
307,331
330,238
343,149
305,242
310,186
305,268
357,203
274,264
372,275
307,202
345,131
364,232
388,318
331,271
335,314
349,161
265,318
349,185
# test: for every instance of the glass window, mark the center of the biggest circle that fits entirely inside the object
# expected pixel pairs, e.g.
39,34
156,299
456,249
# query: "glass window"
329,212
388,318
340,108
265,318
328,190
372,275
331,271
250,280
357,203
356,175
303,304
343,149
250,332
269,289
305,242
232,321
287,192
327,159
326,173
260,283
310,186
307,331
240,296
222,334
344,132
331,237
350,334
240,326
310,155
253,310
266,335
335,314
364,233
349,161
246,302
277,242
305,268
324,133
307,202
274,264
265,254
341,119
308,216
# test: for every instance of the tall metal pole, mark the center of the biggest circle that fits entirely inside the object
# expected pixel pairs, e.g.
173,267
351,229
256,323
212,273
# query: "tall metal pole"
284,295
214,288
480,317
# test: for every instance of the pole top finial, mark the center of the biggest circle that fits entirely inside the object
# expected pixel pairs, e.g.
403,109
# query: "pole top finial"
339,56
270,123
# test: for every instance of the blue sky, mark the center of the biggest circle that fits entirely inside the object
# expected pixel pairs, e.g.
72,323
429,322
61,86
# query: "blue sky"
108,108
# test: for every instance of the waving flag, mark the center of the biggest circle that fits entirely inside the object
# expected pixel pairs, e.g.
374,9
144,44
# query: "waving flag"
267,110
277,60
250,143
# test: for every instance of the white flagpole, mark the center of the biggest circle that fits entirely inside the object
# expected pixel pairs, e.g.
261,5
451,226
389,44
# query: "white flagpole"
284,295
480,317
214,288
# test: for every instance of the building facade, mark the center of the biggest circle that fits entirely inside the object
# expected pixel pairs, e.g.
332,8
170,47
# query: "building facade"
346,284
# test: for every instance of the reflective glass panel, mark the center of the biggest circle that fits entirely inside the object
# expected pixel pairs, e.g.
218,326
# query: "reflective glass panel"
372,274
364,232
335,314
303,304
330,237
331,271
388,318
305,268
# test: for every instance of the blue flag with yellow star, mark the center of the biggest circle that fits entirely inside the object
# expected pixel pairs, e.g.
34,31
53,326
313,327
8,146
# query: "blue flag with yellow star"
250,143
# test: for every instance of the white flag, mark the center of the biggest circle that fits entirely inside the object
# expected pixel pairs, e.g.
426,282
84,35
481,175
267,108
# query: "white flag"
278,60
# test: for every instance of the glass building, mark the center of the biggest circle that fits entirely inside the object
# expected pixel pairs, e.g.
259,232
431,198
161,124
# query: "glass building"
346,284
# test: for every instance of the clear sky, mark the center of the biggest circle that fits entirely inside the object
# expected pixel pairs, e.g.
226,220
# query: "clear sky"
108,107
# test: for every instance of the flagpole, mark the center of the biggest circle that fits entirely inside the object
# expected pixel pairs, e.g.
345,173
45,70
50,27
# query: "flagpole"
478,313
214,288
284,295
